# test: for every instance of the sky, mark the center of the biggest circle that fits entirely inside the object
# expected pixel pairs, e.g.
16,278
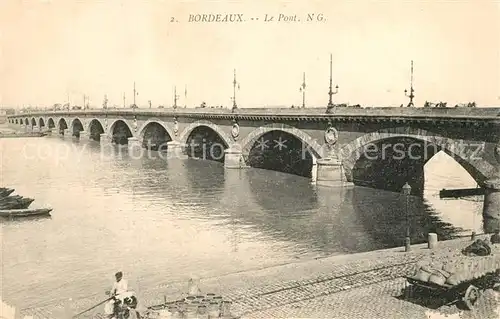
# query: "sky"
52,49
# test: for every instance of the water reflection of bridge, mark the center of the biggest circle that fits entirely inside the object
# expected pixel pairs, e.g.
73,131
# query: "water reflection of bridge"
284,207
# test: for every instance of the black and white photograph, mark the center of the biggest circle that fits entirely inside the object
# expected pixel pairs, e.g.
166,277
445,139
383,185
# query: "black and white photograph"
249,159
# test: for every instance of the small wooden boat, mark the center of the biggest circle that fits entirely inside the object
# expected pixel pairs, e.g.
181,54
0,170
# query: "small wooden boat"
17,204
461,192
25,212
6,192
7,198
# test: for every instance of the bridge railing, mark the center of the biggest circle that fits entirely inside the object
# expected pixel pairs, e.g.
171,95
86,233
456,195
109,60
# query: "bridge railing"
484,112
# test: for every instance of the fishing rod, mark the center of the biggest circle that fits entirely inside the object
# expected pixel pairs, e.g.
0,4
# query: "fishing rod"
92,307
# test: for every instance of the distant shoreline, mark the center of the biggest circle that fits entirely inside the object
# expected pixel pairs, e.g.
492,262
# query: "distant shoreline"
7,132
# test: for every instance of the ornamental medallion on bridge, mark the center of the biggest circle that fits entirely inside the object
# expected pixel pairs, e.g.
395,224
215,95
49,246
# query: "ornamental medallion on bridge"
235,131
331,135
135,124
176,126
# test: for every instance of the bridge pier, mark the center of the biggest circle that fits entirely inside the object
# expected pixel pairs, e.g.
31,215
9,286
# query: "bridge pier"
330,173
491,202
67,133
34,128
84,136
176,150
491,206
233,158
105,140
134,143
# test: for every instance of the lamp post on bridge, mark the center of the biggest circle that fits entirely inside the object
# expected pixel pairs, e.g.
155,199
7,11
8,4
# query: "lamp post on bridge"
330,92
235,106
135,94
411,95
303,90
175,97
407,191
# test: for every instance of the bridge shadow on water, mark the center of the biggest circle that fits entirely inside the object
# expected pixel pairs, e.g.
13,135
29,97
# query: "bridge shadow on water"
284,207
384,215
340,220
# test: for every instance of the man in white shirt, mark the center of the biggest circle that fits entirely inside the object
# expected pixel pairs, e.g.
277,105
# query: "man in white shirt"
120,286
119,291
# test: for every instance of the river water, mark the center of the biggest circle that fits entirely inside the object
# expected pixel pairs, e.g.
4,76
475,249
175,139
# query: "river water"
162,220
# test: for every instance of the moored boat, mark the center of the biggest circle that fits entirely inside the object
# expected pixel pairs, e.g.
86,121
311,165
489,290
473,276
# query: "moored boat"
4,192
24,212
8,200
13,197
18,203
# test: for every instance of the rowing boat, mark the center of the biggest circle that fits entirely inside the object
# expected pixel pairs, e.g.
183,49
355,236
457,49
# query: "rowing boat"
25,212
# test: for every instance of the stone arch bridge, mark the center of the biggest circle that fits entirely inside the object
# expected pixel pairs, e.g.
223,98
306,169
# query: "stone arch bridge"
375,147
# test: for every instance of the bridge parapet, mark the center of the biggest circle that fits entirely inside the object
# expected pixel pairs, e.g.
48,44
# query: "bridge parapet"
387,112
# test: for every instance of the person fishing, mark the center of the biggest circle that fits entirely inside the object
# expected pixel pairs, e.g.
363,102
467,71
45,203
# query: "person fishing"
120,297
120,286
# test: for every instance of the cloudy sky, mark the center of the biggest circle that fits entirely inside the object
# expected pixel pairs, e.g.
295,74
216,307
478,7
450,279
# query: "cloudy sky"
54,48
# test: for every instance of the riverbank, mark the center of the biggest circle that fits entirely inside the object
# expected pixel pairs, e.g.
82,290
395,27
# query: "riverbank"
7,132
260,291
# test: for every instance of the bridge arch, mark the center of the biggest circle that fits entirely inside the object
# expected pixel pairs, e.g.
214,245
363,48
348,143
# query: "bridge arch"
187,131
50,123
156,132
120,131
158,121
26,122
62,125
478,168
41,122
311,144
205,140
95,129
281,147
77,126
33,122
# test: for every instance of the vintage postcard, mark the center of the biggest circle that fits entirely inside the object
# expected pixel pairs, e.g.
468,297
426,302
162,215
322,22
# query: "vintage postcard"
249,159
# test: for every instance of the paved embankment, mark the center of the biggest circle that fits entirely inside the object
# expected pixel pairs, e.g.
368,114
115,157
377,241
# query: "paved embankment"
308,287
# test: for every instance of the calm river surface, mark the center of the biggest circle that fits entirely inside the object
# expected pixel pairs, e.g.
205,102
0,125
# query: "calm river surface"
162,220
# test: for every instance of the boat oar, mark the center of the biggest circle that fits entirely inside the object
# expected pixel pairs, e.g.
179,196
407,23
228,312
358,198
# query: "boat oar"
93,307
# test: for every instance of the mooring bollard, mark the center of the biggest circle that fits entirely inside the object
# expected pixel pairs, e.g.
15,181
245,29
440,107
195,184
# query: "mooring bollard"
226,309
193,286
473,236
432,240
